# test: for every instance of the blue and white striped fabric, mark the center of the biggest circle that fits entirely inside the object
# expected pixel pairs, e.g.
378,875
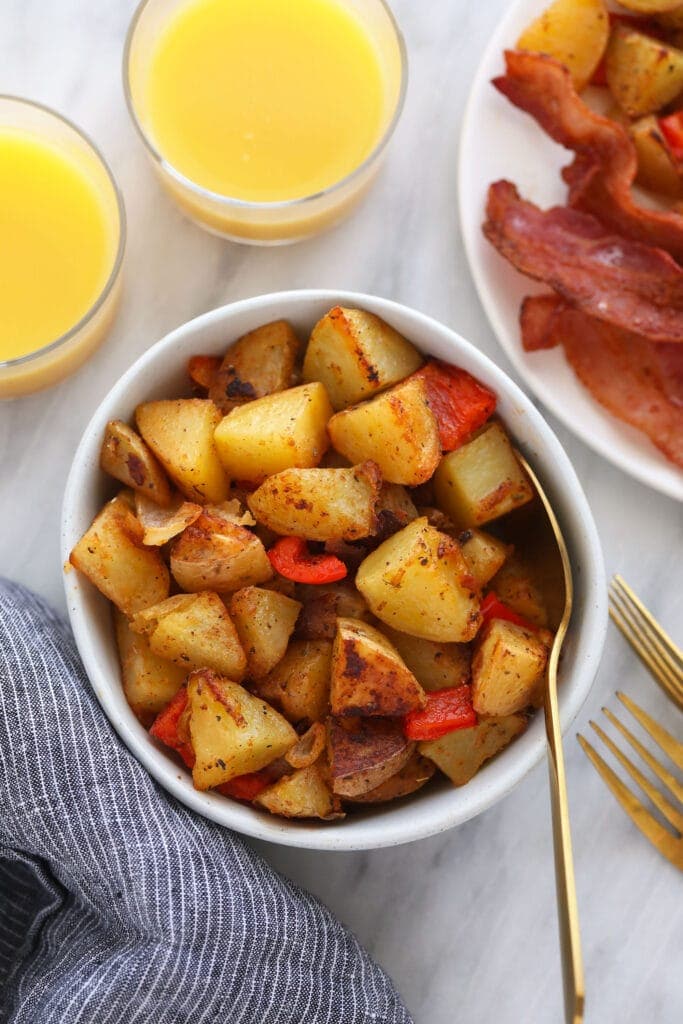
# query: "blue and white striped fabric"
119,905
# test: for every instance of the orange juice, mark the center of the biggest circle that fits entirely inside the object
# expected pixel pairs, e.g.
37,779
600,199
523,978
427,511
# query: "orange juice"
56,252
262,101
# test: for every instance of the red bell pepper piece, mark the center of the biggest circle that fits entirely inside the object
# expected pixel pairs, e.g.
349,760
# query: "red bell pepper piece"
446,710
291,558
246,787
459,402
202,371
165,727
672,130
493,608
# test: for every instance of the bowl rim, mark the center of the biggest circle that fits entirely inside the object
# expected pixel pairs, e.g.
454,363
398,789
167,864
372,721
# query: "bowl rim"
342,836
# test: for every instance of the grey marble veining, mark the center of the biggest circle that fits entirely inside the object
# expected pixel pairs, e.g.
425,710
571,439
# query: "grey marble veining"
465,922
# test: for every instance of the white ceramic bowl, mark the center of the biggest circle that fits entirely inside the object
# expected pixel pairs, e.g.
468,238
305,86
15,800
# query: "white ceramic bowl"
160,373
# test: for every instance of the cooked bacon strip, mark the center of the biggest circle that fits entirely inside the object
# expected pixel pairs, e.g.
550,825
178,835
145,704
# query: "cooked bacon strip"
602,174
623,282
536,316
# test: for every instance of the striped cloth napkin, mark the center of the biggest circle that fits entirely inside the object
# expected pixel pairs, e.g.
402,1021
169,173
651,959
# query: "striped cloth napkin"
117,904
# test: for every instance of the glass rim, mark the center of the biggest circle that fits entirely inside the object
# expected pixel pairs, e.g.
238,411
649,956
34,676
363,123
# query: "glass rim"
281,204
108,286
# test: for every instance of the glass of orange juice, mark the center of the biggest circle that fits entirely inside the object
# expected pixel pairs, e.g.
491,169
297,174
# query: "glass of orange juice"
266,120
62,238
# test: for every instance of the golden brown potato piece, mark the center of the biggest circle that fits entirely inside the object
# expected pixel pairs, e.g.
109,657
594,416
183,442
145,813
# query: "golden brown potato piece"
648,7
281,431
321,606
507,668
574,32
308,748
419,582
180,433
300,683
356,354
232,732
265,621
111,555
163,524
395,509
460,754
149,682
643,74
126,457
515,586
202,372
656,169
435,666
195,631
369,677
257,364
320,504
482,480
414,774
484,554
305,794
215,554
397,430
365,752
671,16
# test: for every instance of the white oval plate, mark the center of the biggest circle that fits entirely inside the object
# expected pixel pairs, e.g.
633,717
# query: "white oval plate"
499,141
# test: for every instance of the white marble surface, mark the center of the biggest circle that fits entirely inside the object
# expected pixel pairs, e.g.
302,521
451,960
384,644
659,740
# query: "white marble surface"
464,922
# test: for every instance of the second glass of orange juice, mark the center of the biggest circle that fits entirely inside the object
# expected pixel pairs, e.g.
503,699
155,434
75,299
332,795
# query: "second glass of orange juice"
266,119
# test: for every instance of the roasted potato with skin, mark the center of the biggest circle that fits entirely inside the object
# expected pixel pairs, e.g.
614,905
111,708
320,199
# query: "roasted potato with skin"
365,752
320,504
507,668
460,754
397,430
232,732
111,554
414,774
286,430
322,604
482,480
300,683
264,621
126,457
435,666
643,74
369,677
656,169
215,554
305,794
180,433
419,582
195,631
356,354
574,32
149,682
257,364
484,554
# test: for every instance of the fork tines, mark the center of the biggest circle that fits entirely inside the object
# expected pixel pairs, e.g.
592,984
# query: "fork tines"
651,643
668,842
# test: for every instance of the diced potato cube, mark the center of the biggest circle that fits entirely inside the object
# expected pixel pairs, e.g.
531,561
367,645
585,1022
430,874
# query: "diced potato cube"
355,354
419,582
397,430
460,754
257,364
180,433
232,732
516,587
643,73
281,431
110,553
149,682
215,554
300,683
483,553
365,752
265,621
320,504
574,32
126,457
195,631
322,604
395,508
368,675
435,666
507,668
305,794
482,480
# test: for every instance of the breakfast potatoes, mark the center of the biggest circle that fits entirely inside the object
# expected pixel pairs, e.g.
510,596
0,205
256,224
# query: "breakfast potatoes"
308,611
